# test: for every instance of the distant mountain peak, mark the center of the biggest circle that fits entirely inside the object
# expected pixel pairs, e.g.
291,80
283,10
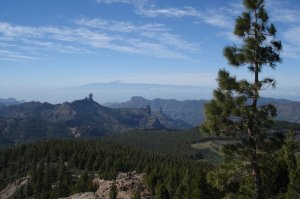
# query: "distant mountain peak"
10,101
138,99
91,97
117,82
87,102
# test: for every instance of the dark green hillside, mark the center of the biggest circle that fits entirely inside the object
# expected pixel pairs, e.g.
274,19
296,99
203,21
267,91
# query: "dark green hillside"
167,158
17,131
170,142
54,168
280,125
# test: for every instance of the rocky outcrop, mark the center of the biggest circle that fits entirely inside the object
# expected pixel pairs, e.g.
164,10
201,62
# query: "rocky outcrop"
13,187
127,184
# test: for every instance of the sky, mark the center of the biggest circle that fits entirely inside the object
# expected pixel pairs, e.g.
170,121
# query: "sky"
50,45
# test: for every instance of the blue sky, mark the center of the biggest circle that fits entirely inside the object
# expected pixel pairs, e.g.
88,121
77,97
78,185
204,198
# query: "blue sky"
54,44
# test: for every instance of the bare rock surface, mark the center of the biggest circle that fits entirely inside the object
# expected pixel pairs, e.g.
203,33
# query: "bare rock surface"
13,187
127,184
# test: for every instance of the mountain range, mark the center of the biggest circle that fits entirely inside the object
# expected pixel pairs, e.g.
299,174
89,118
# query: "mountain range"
191,111
36,120
27,121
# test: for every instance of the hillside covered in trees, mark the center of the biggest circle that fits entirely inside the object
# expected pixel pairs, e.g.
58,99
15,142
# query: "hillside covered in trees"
61,168
172,168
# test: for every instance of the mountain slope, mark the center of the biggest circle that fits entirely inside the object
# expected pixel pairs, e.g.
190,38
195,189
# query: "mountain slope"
287,110
34,120
191,111
80,113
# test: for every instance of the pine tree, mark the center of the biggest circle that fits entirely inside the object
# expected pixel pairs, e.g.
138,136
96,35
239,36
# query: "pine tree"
161,192
294,170
234,109
82,183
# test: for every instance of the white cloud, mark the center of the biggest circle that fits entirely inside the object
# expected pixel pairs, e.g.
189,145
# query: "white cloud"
156,49
91,34
120,26
228,34
214,17
35,45
4,44
221,17
283,11
136,38
218,20
287,15
151,39
292,35
291,51
138,4
152,35
149,9
9,30
15,56
169,12
171,40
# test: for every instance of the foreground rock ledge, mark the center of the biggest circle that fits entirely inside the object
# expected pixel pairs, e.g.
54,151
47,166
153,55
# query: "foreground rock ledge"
13,187
127,184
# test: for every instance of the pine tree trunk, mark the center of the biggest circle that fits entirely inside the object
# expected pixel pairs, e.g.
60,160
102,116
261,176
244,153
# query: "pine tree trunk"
254,165
257,182
256,171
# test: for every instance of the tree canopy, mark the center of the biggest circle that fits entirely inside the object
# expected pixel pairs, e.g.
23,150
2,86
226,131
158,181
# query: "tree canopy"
234,111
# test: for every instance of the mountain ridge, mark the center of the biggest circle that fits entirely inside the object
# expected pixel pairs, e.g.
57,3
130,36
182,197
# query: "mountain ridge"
191,111
85,117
